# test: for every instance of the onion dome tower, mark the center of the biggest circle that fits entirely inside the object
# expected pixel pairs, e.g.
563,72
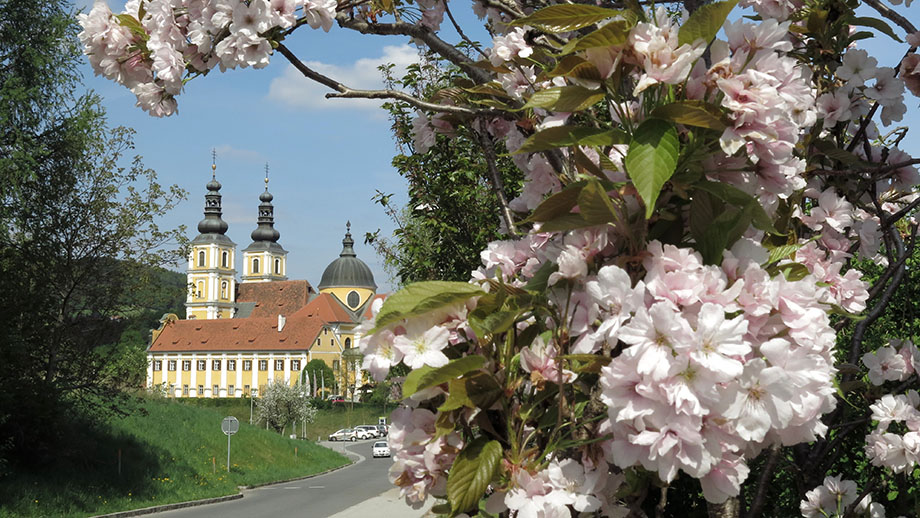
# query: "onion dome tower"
265,260
348,278
211,276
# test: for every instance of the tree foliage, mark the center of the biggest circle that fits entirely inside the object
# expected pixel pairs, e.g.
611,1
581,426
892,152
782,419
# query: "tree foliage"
77,232
453,209
282,404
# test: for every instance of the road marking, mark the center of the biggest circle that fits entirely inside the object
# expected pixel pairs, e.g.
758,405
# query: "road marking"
317,487
291,487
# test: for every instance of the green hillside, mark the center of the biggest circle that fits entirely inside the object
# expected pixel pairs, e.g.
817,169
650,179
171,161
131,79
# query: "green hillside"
170,452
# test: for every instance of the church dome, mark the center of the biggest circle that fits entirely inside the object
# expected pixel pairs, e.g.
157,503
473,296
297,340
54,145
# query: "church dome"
347,271
212,227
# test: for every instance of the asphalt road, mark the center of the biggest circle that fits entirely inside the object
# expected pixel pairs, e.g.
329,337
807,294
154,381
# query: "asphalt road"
316,497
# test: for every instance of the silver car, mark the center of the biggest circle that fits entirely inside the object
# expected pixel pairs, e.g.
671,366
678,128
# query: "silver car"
345,434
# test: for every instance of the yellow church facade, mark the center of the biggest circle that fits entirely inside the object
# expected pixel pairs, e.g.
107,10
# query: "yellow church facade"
238,337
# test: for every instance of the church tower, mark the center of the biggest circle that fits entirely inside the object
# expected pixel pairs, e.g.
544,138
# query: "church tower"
211,276
265,260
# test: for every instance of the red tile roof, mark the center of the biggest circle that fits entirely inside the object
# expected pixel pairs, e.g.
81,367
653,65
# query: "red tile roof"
326,308
237,334
275,297
368,313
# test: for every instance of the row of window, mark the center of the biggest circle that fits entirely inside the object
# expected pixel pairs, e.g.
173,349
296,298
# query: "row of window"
216,365
255,266
225,260
223,289
215,391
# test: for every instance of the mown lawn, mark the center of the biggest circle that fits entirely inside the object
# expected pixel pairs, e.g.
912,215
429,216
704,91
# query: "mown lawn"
328,420
170,452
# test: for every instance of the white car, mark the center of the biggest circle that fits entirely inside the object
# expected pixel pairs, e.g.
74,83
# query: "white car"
361,433
345,434
370,430
381,449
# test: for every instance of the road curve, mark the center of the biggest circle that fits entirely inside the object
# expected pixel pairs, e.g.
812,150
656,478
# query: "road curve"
317,497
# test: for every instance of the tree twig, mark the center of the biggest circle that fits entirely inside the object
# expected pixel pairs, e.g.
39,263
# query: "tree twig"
498,186
892,15
343,91
763,483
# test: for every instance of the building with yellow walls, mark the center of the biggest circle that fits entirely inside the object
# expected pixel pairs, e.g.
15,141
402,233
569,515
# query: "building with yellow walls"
238,337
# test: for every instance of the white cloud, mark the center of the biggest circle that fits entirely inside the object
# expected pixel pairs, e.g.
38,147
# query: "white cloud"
295,90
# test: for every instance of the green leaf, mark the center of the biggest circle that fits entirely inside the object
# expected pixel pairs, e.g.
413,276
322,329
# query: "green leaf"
565,223
781,252
705,22
558,204
586,362
878,25
577,67
422,297
652,159
565,136
483,390
571,98
613,34
454,369
410,385
540,279
456,397
734,196
493,323
830,150
129,22
566,17
595,205
489,89
693,113
471,474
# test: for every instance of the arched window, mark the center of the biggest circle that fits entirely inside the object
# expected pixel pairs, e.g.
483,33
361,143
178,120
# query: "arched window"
201,258
200,289
347,343
278,266
255,266
223,259
223,290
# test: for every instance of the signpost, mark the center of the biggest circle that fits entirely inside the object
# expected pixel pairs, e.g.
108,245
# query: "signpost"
230,425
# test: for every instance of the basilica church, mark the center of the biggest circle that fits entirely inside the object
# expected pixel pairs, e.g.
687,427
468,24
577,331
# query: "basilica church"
238,336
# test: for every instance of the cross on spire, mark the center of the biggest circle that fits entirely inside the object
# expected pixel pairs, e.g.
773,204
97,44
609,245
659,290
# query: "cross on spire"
213,163
266,176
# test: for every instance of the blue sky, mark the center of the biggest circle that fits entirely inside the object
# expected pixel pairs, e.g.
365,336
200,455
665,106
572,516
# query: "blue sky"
327,158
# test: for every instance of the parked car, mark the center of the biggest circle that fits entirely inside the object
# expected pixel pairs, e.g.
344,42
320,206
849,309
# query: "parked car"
381,430
381,449
345,434
361,433
371,430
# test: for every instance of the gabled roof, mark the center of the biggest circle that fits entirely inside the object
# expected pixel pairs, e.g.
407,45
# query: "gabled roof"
238,334
275,297
368,313
326,308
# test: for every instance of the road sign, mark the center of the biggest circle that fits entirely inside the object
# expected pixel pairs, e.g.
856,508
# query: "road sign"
230,425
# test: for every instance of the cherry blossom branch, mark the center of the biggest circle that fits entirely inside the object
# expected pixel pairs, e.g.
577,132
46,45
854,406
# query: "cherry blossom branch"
892,15
760,496
419,32
860,330
890,220
504,7
461,33
350,93
488,151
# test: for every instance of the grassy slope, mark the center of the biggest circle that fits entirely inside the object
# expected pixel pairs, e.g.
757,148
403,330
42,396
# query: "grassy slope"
174,453
327,420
